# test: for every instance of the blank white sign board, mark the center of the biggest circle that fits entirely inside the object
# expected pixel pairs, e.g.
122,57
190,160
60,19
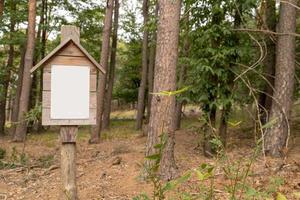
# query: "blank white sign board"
70,92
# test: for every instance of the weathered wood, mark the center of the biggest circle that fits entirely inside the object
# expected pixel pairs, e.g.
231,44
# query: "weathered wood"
46,80
68,162
70,32
71,50
68,134
47,121
66,60
59,48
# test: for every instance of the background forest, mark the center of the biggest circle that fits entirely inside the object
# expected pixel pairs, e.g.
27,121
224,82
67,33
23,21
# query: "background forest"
200,99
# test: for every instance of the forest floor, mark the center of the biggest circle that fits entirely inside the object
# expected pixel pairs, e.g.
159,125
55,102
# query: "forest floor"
112,169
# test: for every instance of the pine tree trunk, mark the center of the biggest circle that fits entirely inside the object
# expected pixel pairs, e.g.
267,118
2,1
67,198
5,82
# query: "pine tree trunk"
276,136
95,135
151,68
265,98
163,106
21,128
142,88
111,78
9,66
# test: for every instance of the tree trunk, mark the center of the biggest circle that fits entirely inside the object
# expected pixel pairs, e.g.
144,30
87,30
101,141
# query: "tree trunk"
95,135
209,132
16,100
182,72
269,23
276,137
225,112
142,88
111,78
163,106
151,67
21,128
1,7
9,66
41,38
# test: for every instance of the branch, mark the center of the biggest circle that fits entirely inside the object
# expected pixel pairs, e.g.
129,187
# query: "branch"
291,4
265,31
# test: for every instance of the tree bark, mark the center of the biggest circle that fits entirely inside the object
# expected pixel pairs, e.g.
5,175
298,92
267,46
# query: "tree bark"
1,7
95,135
6,81
16,100
21,128
182,72
163,106
269,23
151,67
276,137
111,78
143,84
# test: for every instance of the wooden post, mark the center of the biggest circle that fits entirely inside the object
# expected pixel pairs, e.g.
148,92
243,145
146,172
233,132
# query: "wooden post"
68,162
68,138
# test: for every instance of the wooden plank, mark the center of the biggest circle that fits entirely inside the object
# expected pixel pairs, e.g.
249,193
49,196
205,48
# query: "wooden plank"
53,55
70,61
93,82
47,121
71,50
46,100
93,100
42,62
46,80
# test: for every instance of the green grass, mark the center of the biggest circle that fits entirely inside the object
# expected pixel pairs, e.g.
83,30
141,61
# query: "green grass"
121,129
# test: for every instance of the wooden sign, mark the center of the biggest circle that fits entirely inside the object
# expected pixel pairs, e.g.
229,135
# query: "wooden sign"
69,99
69,84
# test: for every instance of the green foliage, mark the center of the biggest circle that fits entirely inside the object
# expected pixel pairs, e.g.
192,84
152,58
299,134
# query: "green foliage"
46,161
34,115
2,153
128,72
15,159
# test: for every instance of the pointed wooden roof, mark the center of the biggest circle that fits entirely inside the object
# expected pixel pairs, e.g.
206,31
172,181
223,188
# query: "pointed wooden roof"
62,45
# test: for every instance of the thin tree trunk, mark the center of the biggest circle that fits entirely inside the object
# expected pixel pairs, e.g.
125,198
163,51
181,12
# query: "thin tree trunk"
269,23
143,84
21,128
276,137
16,101
41,38
163,106
95,135
208,108
6,81
151,67
107,107
209,131
230,82
182,72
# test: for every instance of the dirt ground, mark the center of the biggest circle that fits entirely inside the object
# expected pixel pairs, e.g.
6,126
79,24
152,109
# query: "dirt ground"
100,175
